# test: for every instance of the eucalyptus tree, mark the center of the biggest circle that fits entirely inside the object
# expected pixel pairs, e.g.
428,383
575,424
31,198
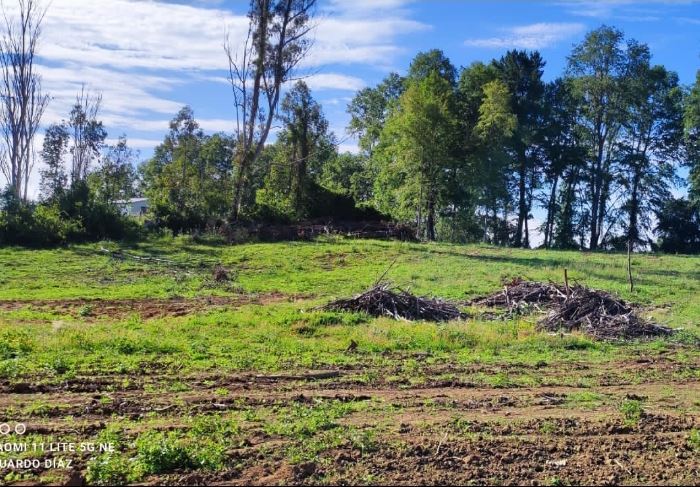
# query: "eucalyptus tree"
276,42
22,101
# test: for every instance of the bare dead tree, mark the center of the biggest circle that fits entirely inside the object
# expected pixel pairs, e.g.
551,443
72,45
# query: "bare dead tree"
22,102
277,40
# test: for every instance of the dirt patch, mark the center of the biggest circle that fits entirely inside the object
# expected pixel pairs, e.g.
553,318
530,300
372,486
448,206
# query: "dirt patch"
146,308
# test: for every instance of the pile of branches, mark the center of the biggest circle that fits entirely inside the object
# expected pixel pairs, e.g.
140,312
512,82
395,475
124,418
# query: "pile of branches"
601,315
597,313
519,294
385,300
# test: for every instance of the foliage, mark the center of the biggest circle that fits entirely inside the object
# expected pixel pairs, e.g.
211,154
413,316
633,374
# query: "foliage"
189,178
679,226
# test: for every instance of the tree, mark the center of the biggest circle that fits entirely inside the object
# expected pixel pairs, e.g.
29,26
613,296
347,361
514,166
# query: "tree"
277,41
429,62
22,102
87,134
600,68
188,179
305,131
115,179
369,110
692,137
53,177
522,75
679,226
562,158
417,145
651,140
496,124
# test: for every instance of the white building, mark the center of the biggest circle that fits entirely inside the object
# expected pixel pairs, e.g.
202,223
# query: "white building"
134,206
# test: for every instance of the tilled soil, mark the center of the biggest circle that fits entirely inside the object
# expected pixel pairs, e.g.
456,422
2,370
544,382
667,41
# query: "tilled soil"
146,308
433,431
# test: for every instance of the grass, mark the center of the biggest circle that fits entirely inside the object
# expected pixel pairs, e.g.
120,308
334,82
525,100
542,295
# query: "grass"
282,335
45,344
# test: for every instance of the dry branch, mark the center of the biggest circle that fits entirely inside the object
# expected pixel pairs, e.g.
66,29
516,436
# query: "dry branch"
384,300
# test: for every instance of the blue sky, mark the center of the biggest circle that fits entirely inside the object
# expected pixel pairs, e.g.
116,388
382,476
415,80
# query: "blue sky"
149,58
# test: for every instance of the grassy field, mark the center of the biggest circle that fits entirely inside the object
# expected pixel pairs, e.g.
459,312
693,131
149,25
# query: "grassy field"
192,380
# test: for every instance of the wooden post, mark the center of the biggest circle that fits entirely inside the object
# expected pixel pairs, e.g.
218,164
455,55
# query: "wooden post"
629,264
566,283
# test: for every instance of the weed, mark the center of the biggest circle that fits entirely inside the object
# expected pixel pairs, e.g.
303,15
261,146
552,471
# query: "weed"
694,439
632,411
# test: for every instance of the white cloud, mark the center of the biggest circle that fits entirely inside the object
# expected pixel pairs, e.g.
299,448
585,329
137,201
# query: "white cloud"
333,81
144,55
532,36
628,10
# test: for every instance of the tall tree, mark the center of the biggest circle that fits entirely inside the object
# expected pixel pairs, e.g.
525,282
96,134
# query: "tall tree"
563,157
692,137
53,177
115,178
496,124
87,134
650,144
305,129
522,72
369,110
599,67
417,147
277,41
22,102
429,62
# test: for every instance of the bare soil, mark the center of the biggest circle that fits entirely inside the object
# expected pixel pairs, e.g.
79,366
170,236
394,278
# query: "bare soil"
438,431
146,308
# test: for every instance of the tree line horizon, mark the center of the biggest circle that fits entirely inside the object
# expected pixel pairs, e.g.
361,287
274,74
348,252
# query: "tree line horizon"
462,154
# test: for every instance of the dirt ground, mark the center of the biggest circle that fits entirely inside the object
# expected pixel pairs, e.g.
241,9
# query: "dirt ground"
441,431
146,308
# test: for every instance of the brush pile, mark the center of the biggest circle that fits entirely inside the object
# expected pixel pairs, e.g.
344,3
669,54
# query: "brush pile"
385,300
596,313
600,315
519,294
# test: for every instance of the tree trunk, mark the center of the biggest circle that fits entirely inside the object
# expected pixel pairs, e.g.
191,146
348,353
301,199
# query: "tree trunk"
522,204
633,230
430,224
549,224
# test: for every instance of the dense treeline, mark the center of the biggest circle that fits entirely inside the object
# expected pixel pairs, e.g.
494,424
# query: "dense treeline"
490,152
470,156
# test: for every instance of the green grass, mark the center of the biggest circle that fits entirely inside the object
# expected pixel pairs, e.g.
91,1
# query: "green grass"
46,343
283,334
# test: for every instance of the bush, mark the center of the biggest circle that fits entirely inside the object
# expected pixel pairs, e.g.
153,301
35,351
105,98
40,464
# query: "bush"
73,216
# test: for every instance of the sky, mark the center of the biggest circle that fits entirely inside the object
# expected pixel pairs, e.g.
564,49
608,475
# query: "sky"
149,58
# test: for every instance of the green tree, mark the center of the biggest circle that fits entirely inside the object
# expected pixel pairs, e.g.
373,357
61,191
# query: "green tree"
496,124
417,147
653,133
692,137
53,175
600,68
115,178
522,72
188,179
431,62
563,158
369,110
304,146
